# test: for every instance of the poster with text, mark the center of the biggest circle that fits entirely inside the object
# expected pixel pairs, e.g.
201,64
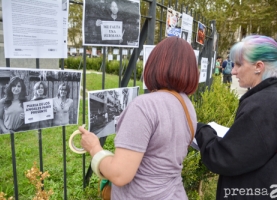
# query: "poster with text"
147,49
201,33
186,28
111,23
105,107
196,53
35,29
38,98
173,23
203,70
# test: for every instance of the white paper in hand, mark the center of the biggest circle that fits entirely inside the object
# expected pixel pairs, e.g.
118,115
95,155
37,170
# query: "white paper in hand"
220,130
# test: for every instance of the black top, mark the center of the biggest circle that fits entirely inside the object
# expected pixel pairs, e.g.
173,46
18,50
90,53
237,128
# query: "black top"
246,157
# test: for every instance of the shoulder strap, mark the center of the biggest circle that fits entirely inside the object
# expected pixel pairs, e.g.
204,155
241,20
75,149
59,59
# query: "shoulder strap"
179,97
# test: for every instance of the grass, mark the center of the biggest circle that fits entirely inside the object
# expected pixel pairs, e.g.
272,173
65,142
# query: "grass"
27,152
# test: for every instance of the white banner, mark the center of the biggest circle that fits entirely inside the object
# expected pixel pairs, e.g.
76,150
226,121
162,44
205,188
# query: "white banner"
38,110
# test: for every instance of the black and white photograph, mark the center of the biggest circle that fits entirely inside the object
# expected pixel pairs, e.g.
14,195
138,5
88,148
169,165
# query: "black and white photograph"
185,35
111,23
105,106
37,99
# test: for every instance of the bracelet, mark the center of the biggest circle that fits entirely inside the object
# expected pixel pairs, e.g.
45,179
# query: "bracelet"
97,158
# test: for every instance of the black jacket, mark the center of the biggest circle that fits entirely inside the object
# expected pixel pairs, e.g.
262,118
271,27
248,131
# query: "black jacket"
246,157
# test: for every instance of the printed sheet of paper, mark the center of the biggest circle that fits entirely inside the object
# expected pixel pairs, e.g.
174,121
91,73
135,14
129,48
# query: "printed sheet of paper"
35,28
203,70
105,107
38,110
186,28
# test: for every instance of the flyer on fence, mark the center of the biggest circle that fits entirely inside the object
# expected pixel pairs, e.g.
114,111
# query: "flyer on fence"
33,99
35,29
114,23
203,70
186,28
105,106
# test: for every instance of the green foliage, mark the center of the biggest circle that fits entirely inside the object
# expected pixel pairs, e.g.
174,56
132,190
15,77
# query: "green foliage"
218,104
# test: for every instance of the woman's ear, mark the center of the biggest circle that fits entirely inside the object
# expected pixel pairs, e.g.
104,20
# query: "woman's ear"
260,67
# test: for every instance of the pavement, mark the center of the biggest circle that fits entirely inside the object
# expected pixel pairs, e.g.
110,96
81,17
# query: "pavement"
235,86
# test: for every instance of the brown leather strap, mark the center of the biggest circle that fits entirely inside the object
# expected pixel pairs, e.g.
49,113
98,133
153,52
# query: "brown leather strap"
179,97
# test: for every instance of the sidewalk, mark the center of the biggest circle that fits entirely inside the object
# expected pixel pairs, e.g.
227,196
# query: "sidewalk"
235,86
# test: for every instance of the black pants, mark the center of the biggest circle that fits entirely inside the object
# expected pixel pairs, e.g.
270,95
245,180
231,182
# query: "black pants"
227,78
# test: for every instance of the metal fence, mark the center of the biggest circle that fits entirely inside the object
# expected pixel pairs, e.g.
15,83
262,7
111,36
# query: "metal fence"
153,21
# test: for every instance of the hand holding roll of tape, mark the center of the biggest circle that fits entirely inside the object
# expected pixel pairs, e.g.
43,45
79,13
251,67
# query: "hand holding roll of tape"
71,142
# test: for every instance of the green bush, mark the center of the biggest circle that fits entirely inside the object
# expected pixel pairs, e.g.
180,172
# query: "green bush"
218,104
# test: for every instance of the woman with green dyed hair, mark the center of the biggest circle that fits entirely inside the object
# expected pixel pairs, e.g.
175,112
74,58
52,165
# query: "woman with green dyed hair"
246,157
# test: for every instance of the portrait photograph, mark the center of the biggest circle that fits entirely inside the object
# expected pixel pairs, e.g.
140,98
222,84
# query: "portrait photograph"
38,98
201,33
111,23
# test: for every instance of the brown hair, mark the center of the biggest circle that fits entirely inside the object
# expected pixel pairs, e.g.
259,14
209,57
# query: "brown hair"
172,65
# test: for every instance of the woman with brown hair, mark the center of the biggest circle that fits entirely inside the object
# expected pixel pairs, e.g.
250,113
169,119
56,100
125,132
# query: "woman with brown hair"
63,106
11,107
153,135
40,92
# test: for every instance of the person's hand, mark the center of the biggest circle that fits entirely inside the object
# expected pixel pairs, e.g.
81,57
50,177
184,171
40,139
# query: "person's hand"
22,115
90,142
98,22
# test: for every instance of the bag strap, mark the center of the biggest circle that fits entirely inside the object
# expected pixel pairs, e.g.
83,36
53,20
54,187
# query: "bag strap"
179,97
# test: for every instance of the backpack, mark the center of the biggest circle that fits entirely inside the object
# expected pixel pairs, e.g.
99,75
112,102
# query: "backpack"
228,68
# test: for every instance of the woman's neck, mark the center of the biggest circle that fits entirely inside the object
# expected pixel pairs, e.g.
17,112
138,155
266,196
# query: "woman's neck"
114,16
63,98
15,97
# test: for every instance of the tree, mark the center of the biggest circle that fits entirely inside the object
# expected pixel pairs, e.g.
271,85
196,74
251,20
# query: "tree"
75,23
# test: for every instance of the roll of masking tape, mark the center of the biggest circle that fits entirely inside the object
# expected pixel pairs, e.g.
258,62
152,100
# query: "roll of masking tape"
71,143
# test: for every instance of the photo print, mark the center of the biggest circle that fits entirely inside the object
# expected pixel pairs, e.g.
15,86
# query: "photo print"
105,106
201,32
111,23
38,98
173,23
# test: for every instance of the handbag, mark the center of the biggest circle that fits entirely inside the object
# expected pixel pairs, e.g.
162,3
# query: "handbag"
105,188
105,185
179,97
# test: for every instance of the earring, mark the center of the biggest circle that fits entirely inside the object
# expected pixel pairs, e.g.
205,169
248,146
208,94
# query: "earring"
257,72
